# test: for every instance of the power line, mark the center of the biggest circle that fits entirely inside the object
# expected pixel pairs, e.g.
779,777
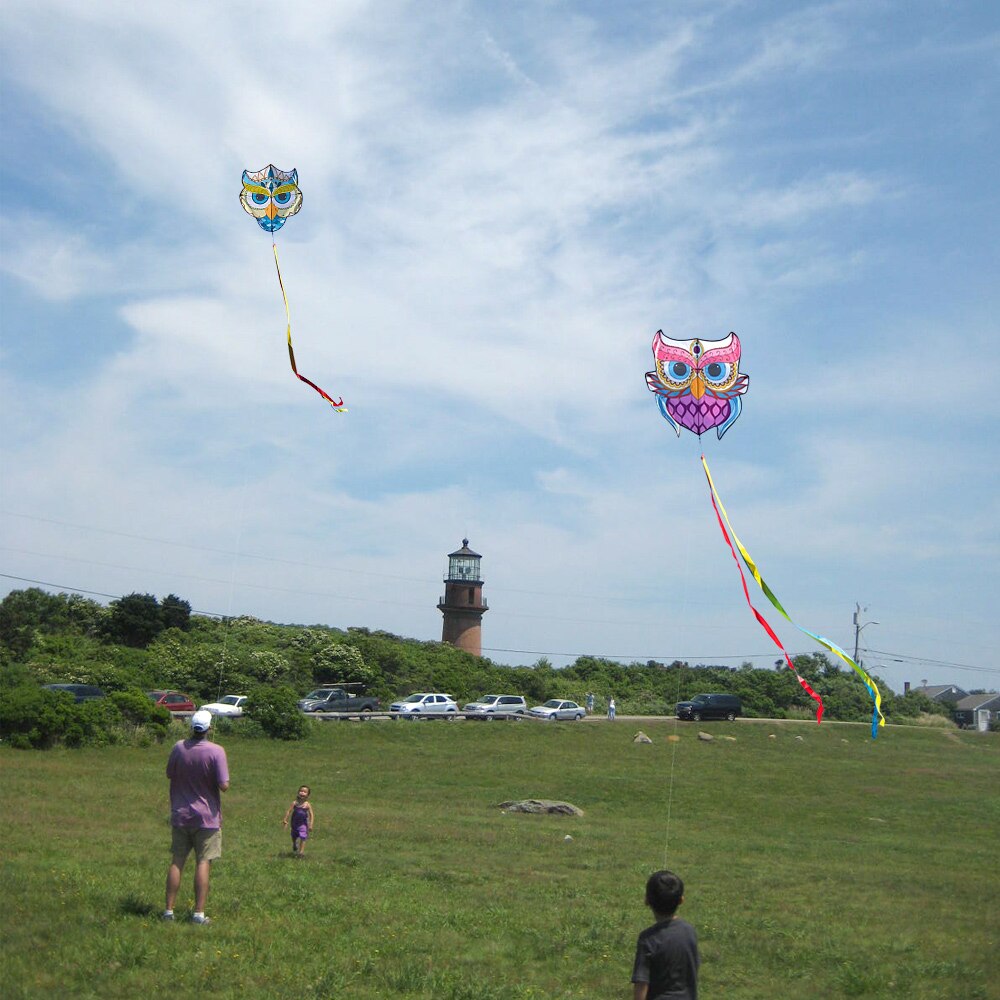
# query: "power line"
63,588
903,657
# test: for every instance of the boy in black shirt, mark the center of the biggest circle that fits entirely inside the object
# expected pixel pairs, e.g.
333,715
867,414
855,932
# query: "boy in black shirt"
666,955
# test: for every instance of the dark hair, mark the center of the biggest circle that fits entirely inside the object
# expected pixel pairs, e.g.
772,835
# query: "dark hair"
664,891
309,791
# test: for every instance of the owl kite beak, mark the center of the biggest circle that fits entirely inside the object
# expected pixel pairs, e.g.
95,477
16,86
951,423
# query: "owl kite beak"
698,386
271,209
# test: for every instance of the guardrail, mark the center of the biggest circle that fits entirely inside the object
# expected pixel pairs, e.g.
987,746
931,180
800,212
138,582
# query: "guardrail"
364,716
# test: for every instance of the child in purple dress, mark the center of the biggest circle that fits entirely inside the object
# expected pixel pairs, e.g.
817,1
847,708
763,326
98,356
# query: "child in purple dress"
301,814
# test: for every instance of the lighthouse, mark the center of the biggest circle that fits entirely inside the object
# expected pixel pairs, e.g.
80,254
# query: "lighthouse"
463,606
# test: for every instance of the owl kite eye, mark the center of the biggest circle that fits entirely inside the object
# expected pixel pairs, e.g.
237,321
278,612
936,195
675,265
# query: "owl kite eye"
283,197
258,198
716,373
678,370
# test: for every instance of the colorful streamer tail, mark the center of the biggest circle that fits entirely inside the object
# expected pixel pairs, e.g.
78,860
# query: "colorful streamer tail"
761,620
337,404
877,718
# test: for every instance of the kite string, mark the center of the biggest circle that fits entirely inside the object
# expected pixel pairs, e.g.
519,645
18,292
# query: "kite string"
688,540
232,585
337,404
673,758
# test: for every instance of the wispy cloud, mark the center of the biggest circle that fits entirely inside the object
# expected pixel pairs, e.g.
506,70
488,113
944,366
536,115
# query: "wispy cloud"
501,206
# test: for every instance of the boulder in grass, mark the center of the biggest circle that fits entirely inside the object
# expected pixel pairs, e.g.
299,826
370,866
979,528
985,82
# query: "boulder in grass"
542,806
706,737
641,737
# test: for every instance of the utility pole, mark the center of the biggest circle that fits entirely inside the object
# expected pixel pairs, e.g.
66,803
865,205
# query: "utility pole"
858,626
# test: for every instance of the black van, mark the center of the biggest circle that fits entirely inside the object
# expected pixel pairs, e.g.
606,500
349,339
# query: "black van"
710,706
80,692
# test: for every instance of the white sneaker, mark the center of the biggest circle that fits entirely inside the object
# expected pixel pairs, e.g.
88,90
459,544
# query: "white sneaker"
196,919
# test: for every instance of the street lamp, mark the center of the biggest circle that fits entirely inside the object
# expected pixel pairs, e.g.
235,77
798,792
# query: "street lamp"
858,627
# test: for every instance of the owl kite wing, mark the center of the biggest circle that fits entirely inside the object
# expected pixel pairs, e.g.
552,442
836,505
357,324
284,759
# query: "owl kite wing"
663,394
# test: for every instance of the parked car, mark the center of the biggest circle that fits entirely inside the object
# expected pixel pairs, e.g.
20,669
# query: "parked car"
710,706
555,709
492,705
230,706
172,701
349,697
80,692
424,704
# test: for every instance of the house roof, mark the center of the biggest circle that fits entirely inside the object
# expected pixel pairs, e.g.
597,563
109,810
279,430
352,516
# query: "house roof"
971,702
942,692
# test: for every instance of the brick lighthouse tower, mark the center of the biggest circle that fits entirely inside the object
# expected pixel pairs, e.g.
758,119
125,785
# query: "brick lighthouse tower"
463,606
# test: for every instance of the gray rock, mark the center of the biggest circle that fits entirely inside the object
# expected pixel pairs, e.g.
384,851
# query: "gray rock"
641,737
543,806
706,737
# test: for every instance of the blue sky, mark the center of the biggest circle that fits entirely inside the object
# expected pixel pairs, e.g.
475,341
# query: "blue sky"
502,204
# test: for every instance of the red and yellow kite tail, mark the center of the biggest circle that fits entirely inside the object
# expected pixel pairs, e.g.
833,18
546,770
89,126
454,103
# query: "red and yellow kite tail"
877,718
760,618
337,404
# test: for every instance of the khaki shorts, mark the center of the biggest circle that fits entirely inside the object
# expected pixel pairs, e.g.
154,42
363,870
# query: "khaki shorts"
206,844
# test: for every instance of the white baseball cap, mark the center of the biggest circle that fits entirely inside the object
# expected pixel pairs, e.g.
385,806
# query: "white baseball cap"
201,721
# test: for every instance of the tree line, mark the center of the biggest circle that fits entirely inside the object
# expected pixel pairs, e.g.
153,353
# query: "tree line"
140,642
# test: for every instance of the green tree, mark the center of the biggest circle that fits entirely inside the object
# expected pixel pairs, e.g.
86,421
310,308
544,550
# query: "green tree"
134,620
276,711
342,662
23,613
175,613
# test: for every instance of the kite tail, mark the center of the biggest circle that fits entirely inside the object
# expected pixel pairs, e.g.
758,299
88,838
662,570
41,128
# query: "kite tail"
337,404
763,622
877,718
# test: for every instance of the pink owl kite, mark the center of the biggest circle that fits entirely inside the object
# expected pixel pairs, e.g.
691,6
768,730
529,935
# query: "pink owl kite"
697,382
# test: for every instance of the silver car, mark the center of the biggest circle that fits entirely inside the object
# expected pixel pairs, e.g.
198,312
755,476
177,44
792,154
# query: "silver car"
492,705
424,704
555,709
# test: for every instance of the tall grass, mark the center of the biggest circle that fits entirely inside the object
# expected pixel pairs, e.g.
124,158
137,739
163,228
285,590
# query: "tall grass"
826,867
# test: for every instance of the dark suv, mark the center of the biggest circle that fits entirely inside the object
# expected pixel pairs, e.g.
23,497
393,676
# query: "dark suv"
710,706
80,692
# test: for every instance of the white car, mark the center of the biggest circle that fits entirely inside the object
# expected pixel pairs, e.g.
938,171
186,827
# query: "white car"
555,709
497,705
231,706
424,704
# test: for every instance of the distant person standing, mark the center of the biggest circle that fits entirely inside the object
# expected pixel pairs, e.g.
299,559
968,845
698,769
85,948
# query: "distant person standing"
590,702
611,708
198,773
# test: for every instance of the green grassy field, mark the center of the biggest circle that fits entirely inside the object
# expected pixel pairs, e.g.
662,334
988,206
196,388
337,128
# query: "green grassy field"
830,866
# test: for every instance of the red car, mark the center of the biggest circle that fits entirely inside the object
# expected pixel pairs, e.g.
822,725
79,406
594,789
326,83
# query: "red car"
172,701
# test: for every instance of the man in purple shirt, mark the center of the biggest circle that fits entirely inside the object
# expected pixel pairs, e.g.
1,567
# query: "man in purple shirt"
198,773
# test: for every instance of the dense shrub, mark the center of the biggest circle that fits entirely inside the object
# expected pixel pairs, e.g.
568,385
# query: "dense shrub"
36,718
137,709
31,716
276,711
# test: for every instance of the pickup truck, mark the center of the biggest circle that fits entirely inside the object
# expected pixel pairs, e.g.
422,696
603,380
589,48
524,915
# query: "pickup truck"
339,698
